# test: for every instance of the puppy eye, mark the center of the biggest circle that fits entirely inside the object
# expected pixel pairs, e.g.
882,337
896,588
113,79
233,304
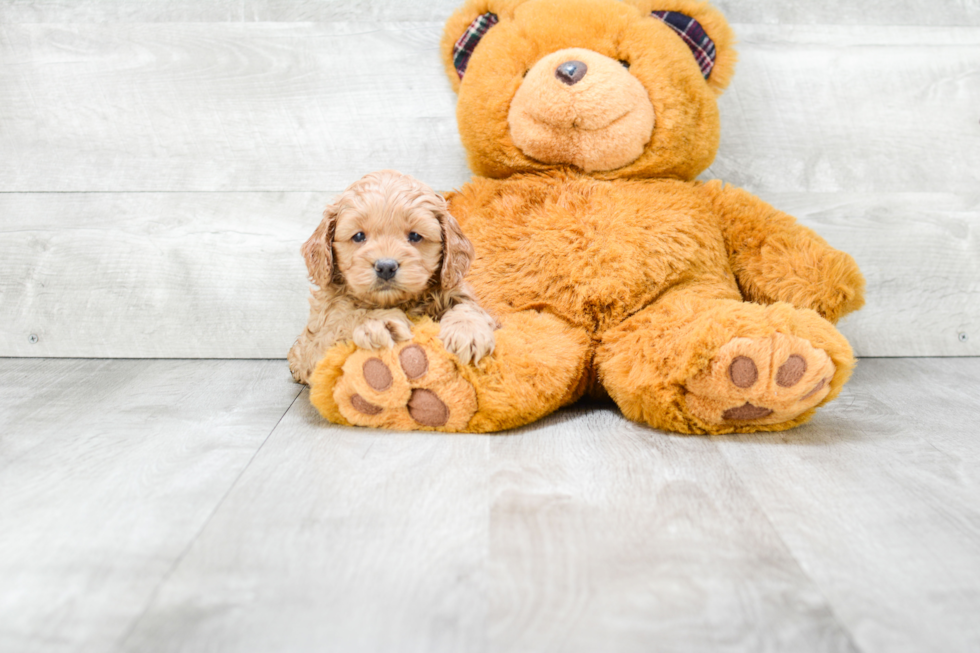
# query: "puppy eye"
359,237
414,237
625,63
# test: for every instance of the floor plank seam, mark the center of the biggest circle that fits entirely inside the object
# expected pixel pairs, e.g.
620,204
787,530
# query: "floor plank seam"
190,544
799,565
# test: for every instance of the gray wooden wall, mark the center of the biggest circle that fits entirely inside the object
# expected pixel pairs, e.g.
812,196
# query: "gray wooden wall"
161,162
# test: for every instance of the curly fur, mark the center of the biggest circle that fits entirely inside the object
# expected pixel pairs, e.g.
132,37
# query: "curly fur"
350,301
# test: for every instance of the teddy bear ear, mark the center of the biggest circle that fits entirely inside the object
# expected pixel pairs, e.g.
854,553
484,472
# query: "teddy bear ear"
464,30
704,31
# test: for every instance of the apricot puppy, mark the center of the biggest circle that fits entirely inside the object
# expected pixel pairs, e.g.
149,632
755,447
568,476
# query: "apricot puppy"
387,249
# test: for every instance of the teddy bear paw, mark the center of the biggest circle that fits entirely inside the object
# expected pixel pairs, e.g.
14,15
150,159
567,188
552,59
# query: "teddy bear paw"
757,381
404,388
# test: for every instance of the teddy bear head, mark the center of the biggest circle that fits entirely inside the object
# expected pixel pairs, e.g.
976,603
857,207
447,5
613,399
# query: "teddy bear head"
614,88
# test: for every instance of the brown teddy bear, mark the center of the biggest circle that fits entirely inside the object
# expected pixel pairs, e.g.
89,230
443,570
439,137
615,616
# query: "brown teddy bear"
695,306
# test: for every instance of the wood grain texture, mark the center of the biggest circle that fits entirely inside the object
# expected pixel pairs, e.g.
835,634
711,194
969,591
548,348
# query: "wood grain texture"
110,11
216,107
879,500
219,275
878,12
300,106
108,470
852,109
920,254
608,536
582,533
154,275
143,508
337,539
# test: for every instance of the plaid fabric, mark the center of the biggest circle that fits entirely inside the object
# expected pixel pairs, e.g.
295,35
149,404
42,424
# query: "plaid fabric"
464,47
694,36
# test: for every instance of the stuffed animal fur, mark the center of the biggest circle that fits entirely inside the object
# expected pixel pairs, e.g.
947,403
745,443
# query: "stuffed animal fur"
696,307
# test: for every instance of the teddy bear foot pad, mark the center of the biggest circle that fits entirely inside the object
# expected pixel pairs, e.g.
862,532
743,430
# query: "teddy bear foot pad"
760,381
401,388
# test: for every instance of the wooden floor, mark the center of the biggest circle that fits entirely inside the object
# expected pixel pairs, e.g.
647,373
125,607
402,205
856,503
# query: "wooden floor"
161,163
174,505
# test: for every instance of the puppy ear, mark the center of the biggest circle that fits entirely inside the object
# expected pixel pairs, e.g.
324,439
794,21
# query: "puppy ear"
457,252
318,250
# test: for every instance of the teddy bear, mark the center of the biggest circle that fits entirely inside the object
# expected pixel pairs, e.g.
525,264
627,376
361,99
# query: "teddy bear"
612,271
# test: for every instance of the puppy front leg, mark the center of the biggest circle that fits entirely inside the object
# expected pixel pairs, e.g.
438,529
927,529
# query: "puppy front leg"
381,329
467,331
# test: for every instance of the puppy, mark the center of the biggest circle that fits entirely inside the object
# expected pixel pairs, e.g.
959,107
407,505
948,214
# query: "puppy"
386,249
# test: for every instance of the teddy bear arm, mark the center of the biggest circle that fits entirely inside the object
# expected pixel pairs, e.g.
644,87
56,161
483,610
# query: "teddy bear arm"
775,258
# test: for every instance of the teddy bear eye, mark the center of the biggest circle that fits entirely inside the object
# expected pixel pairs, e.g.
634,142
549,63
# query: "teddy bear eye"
414,237
359,237
625,63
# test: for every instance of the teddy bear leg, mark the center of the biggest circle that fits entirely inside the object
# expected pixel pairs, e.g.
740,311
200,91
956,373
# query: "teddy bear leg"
700,365
538,366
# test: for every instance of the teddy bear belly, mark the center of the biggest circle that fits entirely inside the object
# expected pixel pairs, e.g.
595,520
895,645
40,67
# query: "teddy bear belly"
588,297
592,253
591,296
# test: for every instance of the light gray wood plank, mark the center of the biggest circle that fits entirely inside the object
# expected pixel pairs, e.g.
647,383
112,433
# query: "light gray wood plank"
336,539
219,275
108,470
852,109
111,11
300,106
610,536
219,107
858,531
841,12
879,500
602,535
175,275
879,12
920,254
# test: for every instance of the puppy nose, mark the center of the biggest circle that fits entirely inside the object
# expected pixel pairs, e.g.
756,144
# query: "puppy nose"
386,268
571,72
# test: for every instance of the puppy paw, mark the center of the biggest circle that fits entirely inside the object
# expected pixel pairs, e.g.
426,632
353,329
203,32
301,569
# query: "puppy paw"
375,334
468,341
400,329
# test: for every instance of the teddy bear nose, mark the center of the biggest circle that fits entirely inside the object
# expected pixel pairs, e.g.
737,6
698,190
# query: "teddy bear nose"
571,72
386,268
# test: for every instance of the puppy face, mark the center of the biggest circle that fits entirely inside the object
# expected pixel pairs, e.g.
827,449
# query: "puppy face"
388,236
387,248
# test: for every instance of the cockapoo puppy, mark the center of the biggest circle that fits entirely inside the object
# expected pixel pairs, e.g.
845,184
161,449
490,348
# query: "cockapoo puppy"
387,249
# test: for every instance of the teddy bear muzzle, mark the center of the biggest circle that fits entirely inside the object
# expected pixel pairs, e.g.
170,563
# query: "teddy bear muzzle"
576,106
